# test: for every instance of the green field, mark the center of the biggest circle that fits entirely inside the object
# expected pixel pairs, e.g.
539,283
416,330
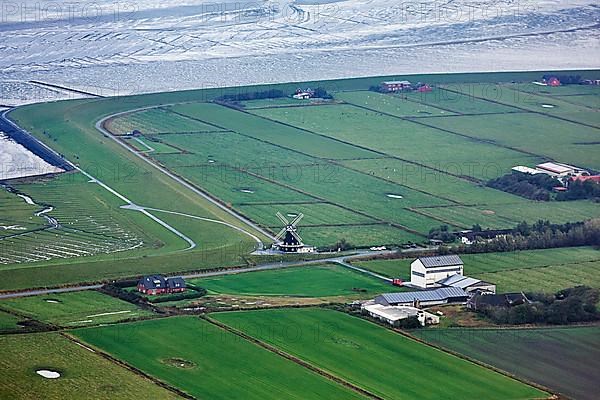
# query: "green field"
373,357
218,364
74,308
84,375
547,270
8,322
341,159
309,281
564,359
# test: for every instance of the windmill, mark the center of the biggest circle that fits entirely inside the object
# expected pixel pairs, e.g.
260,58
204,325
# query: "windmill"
288,240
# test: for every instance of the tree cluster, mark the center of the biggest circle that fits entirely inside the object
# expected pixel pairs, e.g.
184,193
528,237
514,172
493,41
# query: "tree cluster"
442,233
534,187
579,190
571,305
541,235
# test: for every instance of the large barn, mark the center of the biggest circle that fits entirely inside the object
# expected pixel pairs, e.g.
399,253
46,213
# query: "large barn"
425,272
423,298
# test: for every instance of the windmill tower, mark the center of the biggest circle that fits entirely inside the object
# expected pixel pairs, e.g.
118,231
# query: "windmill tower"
288,240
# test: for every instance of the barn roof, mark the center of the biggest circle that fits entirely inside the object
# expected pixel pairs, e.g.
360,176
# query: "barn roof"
441,261
426,295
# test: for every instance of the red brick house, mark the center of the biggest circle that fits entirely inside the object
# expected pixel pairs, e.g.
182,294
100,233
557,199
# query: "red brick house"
158,284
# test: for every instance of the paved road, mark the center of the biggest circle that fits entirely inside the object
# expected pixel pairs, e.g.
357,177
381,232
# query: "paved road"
342,260
100,127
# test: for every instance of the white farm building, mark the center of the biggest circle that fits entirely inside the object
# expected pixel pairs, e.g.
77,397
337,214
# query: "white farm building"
392,314
425,272
424,298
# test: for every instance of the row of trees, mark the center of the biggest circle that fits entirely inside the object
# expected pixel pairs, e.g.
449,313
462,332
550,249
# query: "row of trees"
579,190
541,235
237,97
571,305
565,79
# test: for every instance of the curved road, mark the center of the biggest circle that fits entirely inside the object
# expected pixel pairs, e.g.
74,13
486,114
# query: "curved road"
100,127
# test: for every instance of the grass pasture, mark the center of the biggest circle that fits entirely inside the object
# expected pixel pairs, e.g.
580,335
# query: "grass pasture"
17,216
74,308
564,359
349,153
84,375
373,357
208,362
547,270
309,281
8,322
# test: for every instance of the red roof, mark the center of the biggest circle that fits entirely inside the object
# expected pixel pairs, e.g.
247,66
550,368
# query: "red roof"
553,81
593,178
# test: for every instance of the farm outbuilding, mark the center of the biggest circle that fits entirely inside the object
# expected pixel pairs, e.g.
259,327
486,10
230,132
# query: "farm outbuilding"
482,300
425,272
423,298
392,314
469,285
394,86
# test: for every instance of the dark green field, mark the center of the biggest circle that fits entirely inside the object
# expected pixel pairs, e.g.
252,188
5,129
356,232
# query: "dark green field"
564,359
309,281
213,363
383,362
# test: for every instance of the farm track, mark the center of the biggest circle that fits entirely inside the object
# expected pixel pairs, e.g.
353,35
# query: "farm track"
294,359
100,126
122,364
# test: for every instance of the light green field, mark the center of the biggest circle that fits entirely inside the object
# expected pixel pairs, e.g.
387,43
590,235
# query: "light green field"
546,279
373,357
220,365
84,375
547,270
156,121
549,137
310,281
461,99
74,308
359,236
404,139
533,354
399,104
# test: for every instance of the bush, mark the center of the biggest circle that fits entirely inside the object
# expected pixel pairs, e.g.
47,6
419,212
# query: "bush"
187,295
571,305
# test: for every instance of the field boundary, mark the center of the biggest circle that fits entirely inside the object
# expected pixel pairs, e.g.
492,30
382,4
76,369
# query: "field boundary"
131,368
292,358
553,394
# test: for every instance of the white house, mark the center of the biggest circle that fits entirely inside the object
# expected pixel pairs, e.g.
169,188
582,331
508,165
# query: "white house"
425,272
392,314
